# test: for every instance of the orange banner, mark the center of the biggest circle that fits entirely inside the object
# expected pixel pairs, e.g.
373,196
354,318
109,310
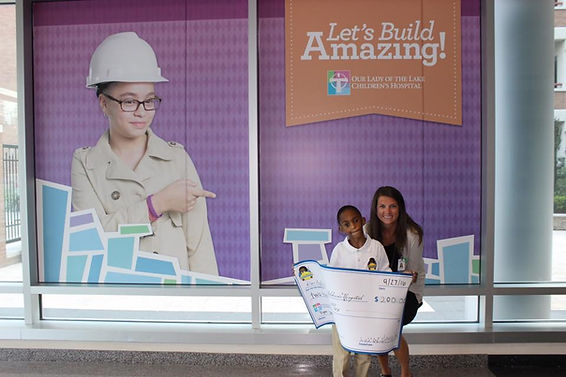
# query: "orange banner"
357,57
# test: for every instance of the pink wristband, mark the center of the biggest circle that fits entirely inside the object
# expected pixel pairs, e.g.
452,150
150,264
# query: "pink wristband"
152,214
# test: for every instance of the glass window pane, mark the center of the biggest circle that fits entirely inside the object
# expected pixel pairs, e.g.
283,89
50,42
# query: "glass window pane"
551,269
559,254
448,309
435,309
204,112
559,223
10,238
12,271
301,172
11,305
147,308
538,308
284,310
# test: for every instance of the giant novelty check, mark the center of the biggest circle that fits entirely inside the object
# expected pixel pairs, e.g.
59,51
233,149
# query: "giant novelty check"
366,306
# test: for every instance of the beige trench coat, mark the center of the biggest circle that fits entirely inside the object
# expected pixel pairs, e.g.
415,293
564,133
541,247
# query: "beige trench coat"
100,180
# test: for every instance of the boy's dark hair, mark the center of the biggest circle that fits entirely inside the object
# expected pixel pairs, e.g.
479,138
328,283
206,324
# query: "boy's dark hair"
347,207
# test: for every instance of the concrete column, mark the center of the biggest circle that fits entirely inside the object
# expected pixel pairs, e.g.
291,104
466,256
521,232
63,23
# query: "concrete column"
524,56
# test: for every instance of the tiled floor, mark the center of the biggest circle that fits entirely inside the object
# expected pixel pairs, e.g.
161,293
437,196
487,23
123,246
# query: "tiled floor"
92,369
75,369
529,372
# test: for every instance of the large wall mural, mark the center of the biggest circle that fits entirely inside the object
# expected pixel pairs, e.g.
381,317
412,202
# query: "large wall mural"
202,49
308,171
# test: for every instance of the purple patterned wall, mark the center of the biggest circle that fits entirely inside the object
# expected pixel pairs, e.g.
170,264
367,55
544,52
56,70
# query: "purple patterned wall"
307,172
202,48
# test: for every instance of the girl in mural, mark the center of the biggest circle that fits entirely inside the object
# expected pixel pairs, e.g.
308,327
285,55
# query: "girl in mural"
131,176
402,238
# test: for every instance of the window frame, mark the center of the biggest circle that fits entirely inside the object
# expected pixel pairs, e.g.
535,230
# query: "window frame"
482,332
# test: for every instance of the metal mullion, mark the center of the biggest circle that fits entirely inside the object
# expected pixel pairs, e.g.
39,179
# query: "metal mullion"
527,289
487,260
254,164
24,58
290,291
140,290
454,290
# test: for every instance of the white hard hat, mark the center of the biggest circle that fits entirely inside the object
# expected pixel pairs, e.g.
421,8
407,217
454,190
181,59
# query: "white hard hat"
123,57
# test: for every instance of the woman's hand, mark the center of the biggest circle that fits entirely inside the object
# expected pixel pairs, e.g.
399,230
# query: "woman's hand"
180,196
415,275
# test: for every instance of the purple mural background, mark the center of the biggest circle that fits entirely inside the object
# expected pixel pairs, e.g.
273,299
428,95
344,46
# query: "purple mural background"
308,172
202,48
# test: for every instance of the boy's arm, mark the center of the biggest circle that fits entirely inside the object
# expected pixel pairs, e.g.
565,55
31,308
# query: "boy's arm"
334,258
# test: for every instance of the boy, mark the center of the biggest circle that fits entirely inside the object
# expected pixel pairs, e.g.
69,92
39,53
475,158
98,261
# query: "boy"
359,252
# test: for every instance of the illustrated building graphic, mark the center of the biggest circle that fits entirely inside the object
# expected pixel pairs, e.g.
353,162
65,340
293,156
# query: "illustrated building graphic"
74,248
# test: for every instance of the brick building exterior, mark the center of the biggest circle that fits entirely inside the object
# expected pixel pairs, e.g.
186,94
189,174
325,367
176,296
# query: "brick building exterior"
8,114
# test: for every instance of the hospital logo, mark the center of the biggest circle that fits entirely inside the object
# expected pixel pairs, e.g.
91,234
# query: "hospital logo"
317,307
338,83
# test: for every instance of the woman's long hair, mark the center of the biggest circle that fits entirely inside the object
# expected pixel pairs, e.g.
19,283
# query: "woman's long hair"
404,222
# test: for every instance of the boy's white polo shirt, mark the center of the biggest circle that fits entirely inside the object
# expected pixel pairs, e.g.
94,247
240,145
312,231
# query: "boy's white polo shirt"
345,255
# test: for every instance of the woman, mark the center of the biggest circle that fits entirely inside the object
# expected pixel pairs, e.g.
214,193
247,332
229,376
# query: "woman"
402,238
132,176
